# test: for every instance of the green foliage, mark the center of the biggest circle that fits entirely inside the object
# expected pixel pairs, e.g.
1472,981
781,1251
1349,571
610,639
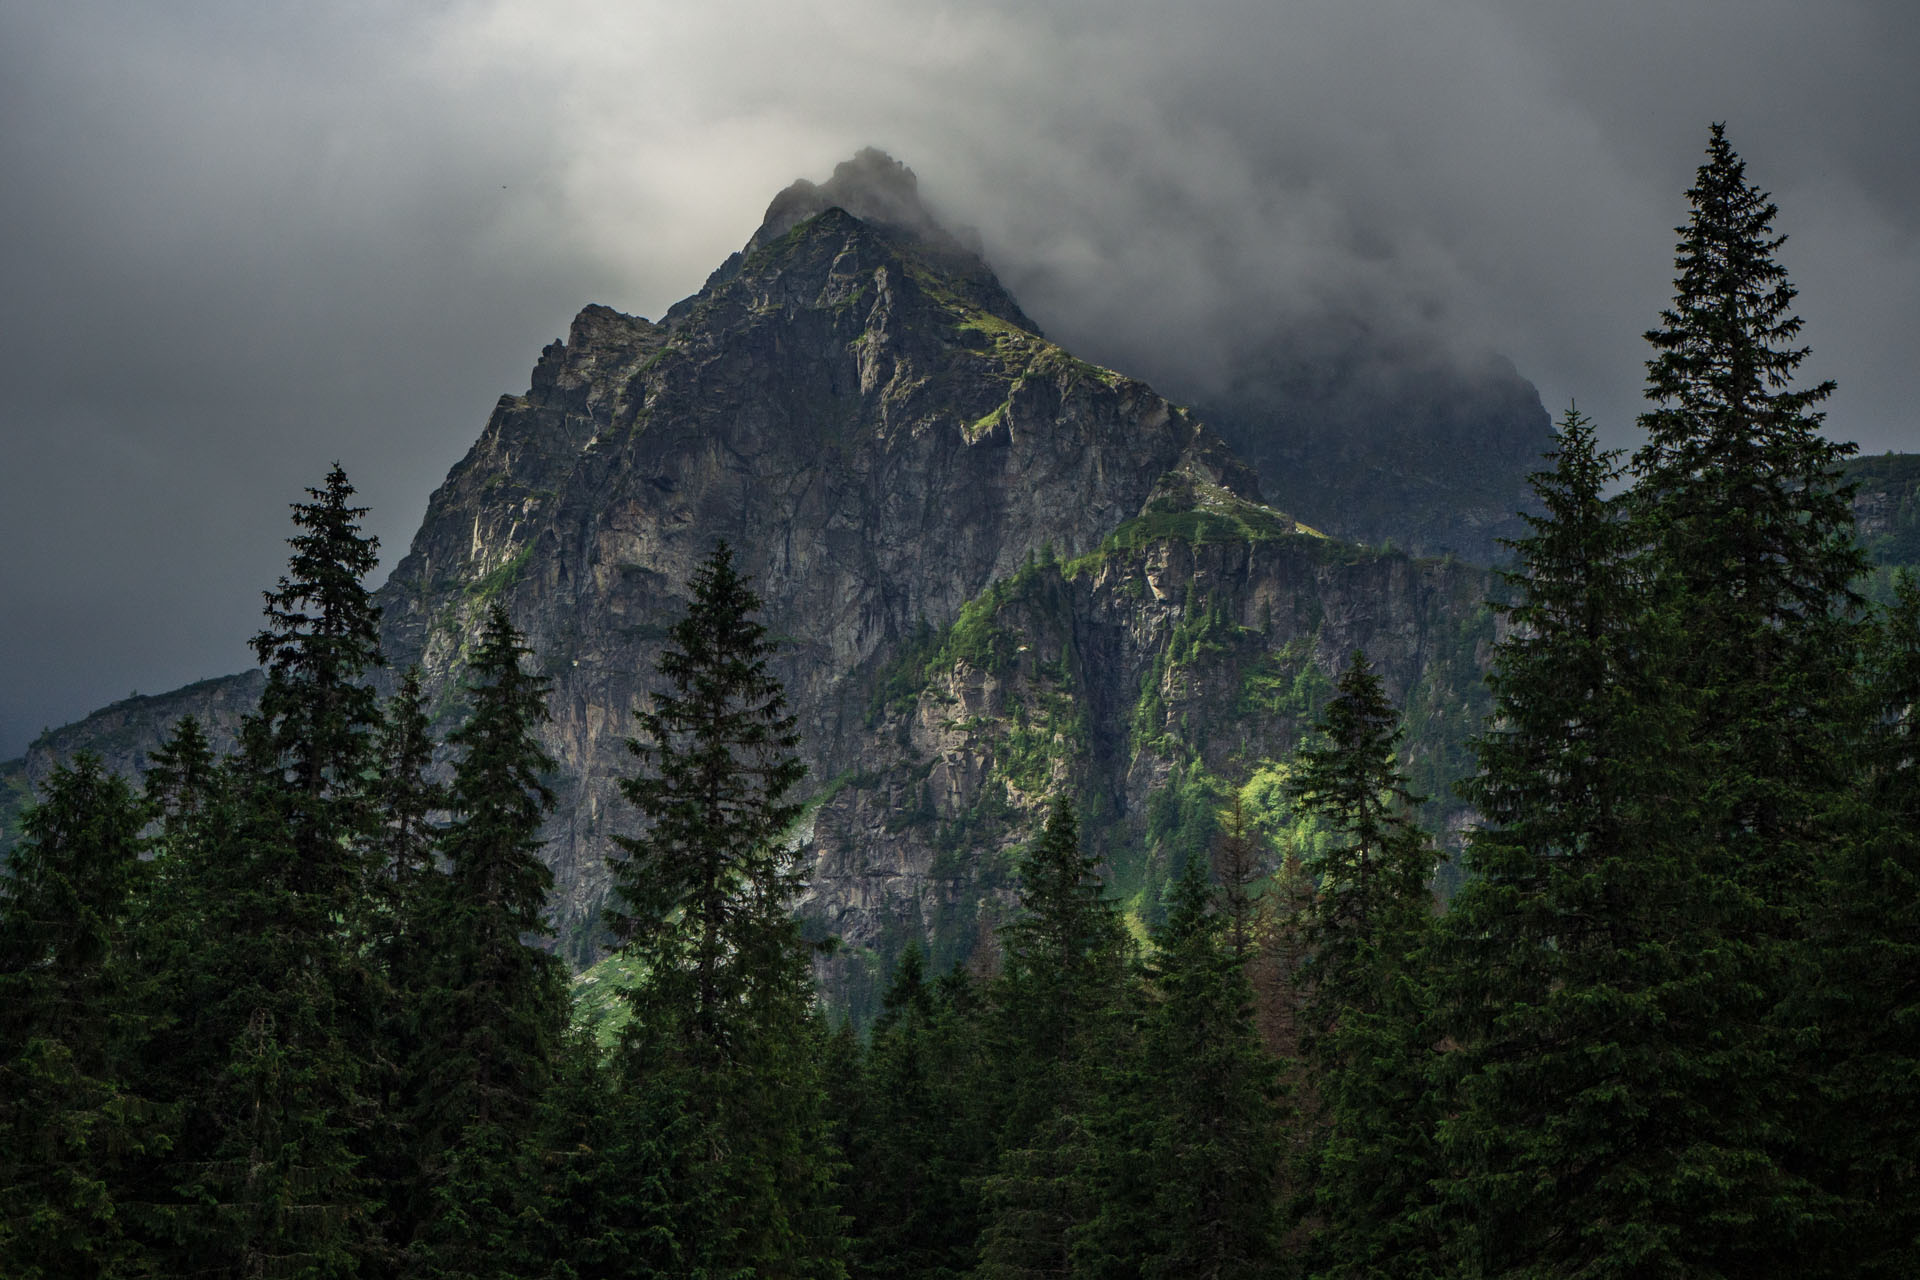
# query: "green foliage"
1212,1139
484,589
1056,1024
1364,1013
1739,498
1228,520
721,1000
913,1132
1867,997
495,1008
600,1006
71,1132
1562,969
1286,682
271,1001
1677,734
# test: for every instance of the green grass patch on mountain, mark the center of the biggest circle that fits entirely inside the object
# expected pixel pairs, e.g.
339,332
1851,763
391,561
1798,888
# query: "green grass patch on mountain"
597,1002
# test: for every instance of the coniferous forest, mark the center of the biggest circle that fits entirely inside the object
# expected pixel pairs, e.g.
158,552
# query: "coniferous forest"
291,1011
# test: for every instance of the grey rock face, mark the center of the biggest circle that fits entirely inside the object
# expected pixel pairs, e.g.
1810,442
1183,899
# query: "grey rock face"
1129,679
122,733
879,437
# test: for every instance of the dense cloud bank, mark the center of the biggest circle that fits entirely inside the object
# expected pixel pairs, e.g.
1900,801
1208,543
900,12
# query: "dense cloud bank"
244,243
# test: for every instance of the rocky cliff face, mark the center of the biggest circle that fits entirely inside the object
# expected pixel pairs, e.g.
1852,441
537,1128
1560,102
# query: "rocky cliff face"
858,408
1154,679
997,570
1886,506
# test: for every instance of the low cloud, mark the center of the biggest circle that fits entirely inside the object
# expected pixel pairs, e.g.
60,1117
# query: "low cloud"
245,242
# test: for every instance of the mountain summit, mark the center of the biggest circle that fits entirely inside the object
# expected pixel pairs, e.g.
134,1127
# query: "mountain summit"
873,187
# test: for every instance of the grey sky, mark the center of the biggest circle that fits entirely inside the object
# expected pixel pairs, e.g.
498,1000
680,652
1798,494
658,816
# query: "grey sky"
242,241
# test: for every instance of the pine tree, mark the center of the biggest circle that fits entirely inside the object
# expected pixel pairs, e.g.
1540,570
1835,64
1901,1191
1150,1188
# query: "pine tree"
1868,996
1058,1024
496,1007
705,895
180,775
1565,967
723,1029
1214,1140
274,995
404,841
404,888
71,1131
602,1204
318,714
1740,500
1364,1010
915,1147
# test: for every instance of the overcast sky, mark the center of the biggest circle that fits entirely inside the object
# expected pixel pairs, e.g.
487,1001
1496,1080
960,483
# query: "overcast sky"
243,240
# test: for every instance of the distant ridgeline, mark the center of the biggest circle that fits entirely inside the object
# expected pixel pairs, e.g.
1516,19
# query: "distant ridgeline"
1886,509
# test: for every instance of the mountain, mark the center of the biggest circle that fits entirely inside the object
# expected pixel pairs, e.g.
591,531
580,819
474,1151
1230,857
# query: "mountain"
997,570
1384,440
1886,510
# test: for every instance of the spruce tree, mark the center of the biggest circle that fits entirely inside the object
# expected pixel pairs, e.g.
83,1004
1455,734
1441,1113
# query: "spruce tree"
913,1146
495,1010
180,775
1364,1009
404,889
1566,966
1739,498
318,713
1059,1029
71,1130
704,896
722,1043
405,839
1214,1142
1868,997
276,994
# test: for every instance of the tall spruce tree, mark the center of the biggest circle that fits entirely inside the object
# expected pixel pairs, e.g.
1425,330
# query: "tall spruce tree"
1868,996
71,1131
914,1145
1739,498
405,840
1213,1143
275,977
1364,1013
495,1011
180,775
1566,968
722,1042
1059,1027
319,715
404,889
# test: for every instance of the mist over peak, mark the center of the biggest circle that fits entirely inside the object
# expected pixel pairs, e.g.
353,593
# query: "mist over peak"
873,187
